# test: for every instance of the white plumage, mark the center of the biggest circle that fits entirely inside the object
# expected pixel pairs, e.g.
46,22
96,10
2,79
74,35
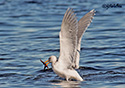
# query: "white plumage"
70,43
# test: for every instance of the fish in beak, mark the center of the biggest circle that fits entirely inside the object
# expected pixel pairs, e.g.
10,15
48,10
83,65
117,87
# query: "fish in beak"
46,64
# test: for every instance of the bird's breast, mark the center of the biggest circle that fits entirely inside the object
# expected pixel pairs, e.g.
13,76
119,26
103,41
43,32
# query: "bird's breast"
59,71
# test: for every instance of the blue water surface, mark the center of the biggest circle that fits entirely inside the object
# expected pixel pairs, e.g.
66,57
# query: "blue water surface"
29,31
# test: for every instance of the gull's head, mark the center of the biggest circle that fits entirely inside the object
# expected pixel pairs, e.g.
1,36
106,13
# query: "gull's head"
52,59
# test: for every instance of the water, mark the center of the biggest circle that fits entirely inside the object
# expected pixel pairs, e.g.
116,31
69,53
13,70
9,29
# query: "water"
29,31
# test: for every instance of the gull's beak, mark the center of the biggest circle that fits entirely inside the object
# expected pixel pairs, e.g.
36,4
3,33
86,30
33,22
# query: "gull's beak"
45,63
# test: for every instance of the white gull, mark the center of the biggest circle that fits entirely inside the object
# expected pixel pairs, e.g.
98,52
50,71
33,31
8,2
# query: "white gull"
70,43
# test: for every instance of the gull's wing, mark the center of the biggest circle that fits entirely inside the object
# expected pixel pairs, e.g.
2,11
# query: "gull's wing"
83,24
68,39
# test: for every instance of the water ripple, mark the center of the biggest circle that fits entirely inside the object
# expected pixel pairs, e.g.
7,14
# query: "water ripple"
29,30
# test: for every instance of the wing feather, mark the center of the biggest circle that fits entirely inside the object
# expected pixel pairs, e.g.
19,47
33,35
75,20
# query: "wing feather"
83,24
68,38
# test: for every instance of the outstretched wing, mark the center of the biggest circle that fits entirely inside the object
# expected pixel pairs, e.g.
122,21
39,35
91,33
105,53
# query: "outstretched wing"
68,39
83,24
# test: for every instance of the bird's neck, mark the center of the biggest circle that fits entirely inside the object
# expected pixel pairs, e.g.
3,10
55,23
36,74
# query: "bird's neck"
53,63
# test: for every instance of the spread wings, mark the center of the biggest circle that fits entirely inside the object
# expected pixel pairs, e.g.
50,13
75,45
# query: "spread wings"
70,37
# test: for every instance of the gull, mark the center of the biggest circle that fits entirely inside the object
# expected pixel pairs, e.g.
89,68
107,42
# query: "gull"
70,43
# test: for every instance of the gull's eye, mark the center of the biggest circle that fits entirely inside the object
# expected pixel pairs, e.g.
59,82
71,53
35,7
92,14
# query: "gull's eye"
49,59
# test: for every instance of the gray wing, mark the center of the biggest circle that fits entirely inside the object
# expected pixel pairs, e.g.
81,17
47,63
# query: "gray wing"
83,24
68,39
